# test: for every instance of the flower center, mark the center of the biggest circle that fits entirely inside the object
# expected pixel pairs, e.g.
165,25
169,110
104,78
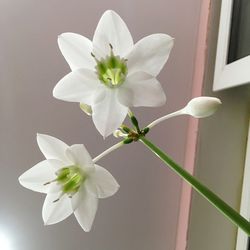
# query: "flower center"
70,179
111,70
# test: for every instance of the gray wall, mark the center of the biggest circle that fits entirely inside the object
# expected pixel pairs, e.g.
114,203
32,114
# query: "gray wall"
220,156
143,214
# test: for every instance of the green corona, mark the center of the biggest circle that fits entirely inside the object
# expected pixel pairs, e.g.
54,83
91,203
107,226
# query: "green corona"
111,70
70,179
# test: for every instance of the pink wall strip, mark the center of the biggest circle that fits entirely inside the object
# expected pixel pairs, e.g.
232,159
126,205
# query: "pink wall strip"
181,238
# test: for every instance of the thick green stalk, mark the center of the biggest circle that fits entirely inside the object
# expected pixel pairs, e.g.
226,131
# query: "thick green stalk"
223,207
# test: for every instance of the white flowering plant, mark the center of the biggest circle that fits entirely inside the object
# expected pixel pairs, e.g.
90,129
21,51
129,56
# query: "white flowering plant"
110,74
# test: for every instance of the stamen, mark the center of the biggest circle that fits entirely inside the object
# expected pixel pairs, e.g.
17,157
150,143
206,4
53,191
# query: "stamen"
49,182
93,55
110,45
58,198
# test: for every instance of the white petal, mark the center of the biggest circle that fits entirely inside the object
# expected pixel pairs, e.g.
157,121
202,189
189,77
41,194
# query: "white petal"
54,212
85,213
37,176
76,49
101,183
79,155
56,164
108,114
111,29
78,197
52,148
150,54
55,187
78,86
141,89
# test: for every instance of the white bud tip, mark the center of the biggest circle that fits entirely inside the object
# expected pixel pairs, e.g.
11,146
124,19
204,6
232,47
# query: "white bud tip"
118,133
86,108
202,106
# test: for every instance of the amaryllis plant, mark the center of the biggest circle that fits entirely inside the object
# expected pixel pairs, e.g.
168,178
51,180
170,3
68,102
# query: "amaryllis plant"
109,75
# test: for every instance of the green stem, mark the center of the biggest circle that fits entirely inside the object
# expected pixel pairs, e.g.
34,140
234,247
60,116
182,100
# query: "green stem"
223,207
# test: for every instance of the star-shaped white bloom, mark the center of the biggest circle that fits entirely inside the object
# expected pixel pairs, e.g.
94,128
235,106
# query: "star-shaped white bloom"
111,73
72,182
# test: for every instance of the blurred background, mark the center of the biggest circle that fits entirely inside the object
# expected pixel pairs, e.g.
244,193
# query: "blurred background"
144,213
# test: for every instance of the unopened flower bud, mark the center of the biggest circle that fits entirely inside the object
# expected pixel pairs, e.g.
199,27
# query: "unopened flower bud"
128,141
145,130
202,106
118,133
134,121
86,108
125,129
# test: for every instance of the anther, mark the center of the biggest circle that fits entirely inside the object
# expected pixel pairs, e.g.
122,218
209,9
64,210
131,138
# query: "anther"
110,45
58,198
49,182
93,55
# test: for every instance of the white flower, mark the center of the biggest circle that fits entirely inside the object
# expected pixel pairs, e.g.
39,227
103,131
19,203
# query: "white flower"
202,106
112,73
72,182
